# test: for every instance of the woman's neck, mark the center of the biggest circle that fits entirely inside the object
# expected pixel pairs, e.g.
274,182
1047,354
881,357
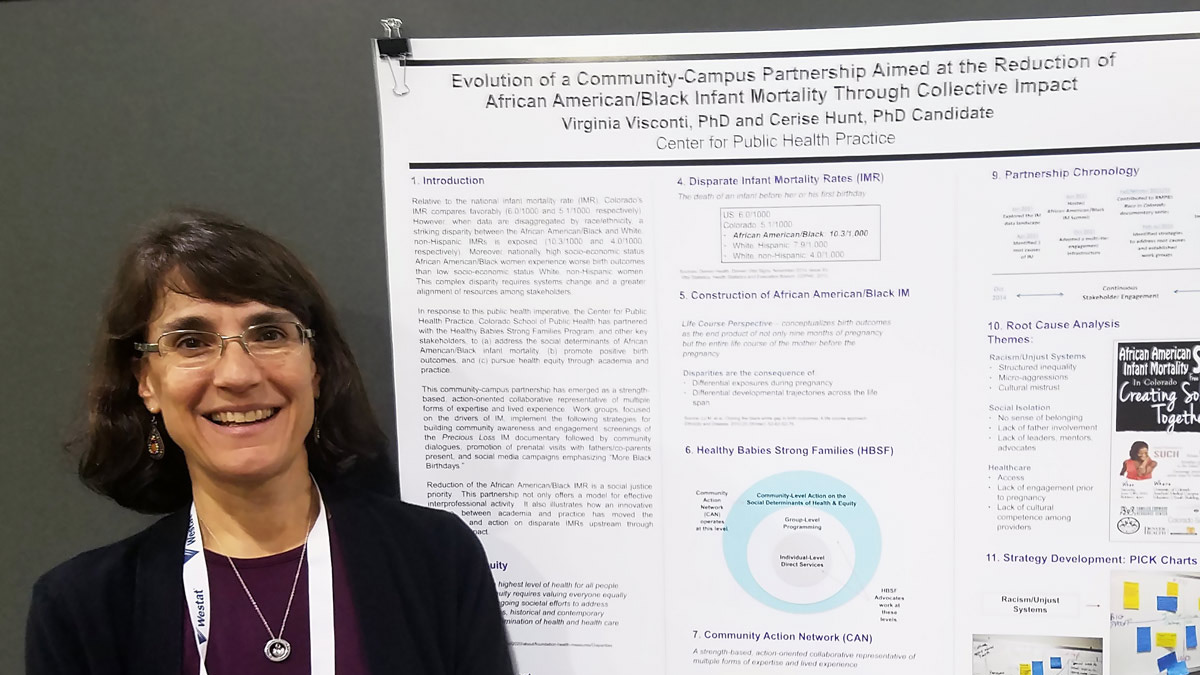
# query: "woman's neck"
244,521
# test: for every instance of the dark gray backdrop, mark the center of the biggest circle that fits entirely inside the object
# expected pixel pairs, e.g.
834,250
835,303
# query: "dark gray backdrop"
112,110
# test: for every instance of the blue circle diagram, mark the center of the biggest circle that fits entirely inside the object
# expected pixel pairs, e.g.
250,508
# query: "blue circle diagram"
802,542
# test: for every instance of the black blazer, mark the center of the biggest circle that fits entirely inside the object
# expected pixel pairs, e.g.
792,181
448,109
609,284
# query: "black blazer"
423,593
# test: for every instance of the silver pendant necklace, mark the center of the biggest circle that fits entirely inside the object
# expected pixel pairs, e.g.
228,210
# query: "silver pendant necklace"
276,649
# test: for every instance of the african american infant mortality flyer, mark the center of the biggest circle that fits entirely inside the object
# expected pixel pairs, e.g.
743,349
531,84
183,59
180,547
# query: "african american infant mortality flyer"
837,351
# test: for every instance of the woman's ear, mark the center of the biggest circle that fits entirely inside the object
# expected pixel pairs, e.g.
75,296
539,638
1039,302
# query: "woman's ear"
147,388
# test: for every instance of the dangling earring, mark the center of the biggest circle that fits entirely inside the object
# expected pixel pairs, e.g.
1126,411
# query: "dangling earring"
154,444
316,424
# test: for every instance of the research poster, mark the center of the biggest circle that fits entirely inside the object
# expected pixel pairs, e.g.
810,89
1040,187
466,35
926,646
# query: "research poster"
835,351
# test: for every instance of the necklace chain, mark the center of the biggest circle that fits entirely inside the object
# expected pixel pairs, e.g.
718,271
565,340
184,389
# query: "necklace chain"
288,610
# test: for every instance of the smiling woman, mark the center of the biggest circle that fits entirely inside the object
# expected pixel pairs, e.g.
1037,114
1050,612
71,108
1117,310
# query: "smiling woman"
224,395
192,270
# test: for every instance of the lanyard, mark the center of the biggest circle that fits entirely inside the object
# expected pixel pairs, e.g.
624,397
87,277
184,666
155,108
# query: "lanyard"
320,592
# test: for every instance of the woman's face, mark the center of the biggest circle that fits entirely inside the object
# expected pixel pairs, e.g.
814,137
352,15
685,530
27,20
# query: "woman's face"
1143,453
192,400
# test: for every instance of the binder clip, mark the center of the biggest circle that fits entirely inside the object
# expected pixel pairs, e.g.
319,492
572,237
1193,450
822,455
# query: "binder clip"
395,46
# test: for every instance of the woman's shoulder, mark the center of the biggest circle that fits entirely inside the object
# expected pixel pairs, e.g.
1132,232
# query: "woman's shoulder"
109,566
390,518
393,511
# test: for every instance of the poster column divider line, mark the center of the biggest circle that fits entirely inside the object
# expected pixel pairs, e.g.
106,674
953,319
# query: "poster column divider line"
652,218
956,301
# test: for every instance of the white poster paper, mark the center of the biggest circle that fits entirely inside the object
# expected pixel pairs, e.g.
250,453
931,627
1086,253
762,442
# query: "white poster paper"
803,351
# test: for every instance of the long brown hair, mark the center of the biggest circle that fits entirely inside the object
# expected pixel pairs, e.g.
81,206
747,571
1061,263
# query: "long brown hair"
212,256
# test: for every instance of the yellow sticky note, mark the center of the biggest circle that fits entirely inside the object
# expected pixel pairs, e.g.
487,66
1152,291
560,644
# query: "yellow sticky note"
1026,669
1165,640
1173,588
1131,595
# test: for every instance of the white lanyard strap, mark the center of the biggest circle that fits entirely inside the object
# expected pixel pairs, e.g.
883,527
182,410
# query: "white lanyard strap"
195,587
320,592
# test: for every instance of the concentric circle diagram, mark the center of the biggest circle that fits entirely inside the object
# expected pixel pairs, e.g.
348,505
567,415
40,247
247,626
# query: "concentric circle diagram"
802,542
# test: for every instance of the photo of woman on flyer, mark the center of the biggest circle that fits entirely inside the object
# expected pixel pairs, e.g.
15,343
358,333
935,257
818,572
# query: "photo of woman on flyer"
1139,466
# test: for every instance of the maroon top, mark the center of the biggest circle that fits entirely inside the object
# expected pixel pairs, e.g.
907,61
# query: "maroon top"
235,645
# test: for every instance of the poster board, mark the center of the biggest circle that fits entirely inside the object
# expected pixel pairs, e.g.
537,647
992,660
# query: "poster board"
787,355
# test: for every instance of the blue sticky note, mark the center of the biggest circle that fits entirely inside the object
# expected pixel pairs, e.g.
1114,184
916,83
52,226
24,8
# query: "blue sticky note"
1190,636
1037,668
1143,639
1178,668
1056,662
1168,660
1168,603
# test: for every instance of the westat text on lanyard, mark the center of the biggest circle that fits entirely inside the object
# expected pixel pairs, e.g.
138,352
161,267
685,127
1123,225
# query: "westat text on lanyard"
320,593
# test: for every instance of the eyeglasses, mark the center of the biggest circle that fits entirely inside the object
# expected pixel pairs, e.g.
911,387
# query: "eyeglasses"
199,348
